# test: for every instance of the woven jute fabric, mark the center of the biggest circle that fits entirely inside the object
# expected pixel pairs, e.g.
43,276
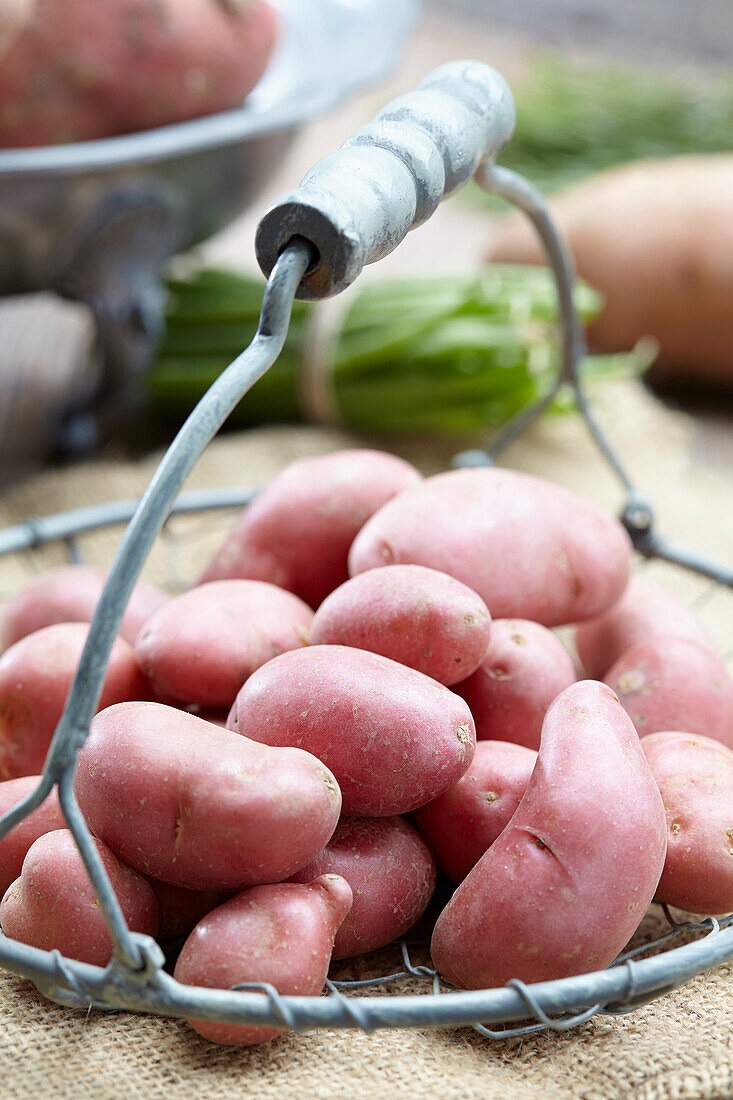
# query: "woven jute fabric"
678,1048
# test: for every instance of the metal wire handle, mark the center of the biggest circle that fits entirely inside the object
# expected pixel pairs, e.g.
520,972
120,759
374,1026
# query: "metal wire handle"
312,244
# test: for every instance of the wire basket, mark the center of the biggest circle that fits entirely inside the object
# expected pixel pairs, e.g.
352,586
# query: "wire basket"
351,209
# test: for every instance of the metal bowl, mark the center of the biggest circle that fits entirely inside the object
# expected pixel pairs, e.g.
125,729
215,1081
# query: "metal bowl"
95,220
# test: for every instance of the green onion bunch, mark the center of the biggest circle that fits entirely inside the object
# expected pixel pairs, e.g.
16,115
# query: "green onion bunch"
443,355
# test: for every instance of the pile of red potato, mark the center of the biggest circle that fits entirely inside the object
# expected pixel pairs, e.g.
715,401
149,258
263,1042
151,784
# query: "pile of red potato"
277,784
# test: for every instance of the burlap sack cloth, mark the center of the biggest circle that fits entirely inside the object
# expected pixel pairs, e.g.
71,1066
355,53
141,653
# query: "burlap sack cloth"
680,1047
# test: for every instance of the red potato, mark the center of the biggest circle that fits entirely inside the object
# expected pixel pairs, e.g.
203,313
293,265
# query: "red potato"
47,818
393,738
391,872
530,548
282,935
297,532
80,69
35,676
70,595
668,683
180,910
695,779
197,806
643,611
463,823
53,905
525,669
416,616
203,645
568,881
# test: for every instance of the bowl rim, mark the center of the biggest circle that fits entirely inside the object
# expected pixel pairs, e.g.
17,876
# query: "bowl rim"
348,44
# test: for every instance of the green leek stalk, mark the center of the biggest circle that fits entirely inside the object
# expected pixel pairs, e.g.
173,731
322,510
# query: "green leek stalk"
441,355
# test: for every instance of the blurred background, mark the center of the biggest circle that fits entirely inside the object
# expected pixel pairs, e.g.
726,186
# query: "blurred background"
127,268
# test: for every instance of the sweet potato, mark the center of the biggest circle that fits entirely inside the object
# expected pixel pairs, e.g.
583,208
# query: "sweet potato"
297,532
416,616
201,646
53,905
35,676
282,935
695,779
78,69
70,595
197,806
531,549
659,253
570,878
391,872
525,669
463,823
670,683
47,818
14,16
643,611
393,738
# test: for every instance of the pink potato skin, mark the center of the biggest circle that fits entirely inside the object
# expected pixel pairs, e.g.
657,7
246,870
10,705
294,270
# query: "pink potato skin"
391,872
71,595
571,876
643,611
393,738
525,669
281,934
416,616
298,530
197,806
35,676
695,779
82,70
53,906
531,549
180,910
669,683
45,819
203,645
462,824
